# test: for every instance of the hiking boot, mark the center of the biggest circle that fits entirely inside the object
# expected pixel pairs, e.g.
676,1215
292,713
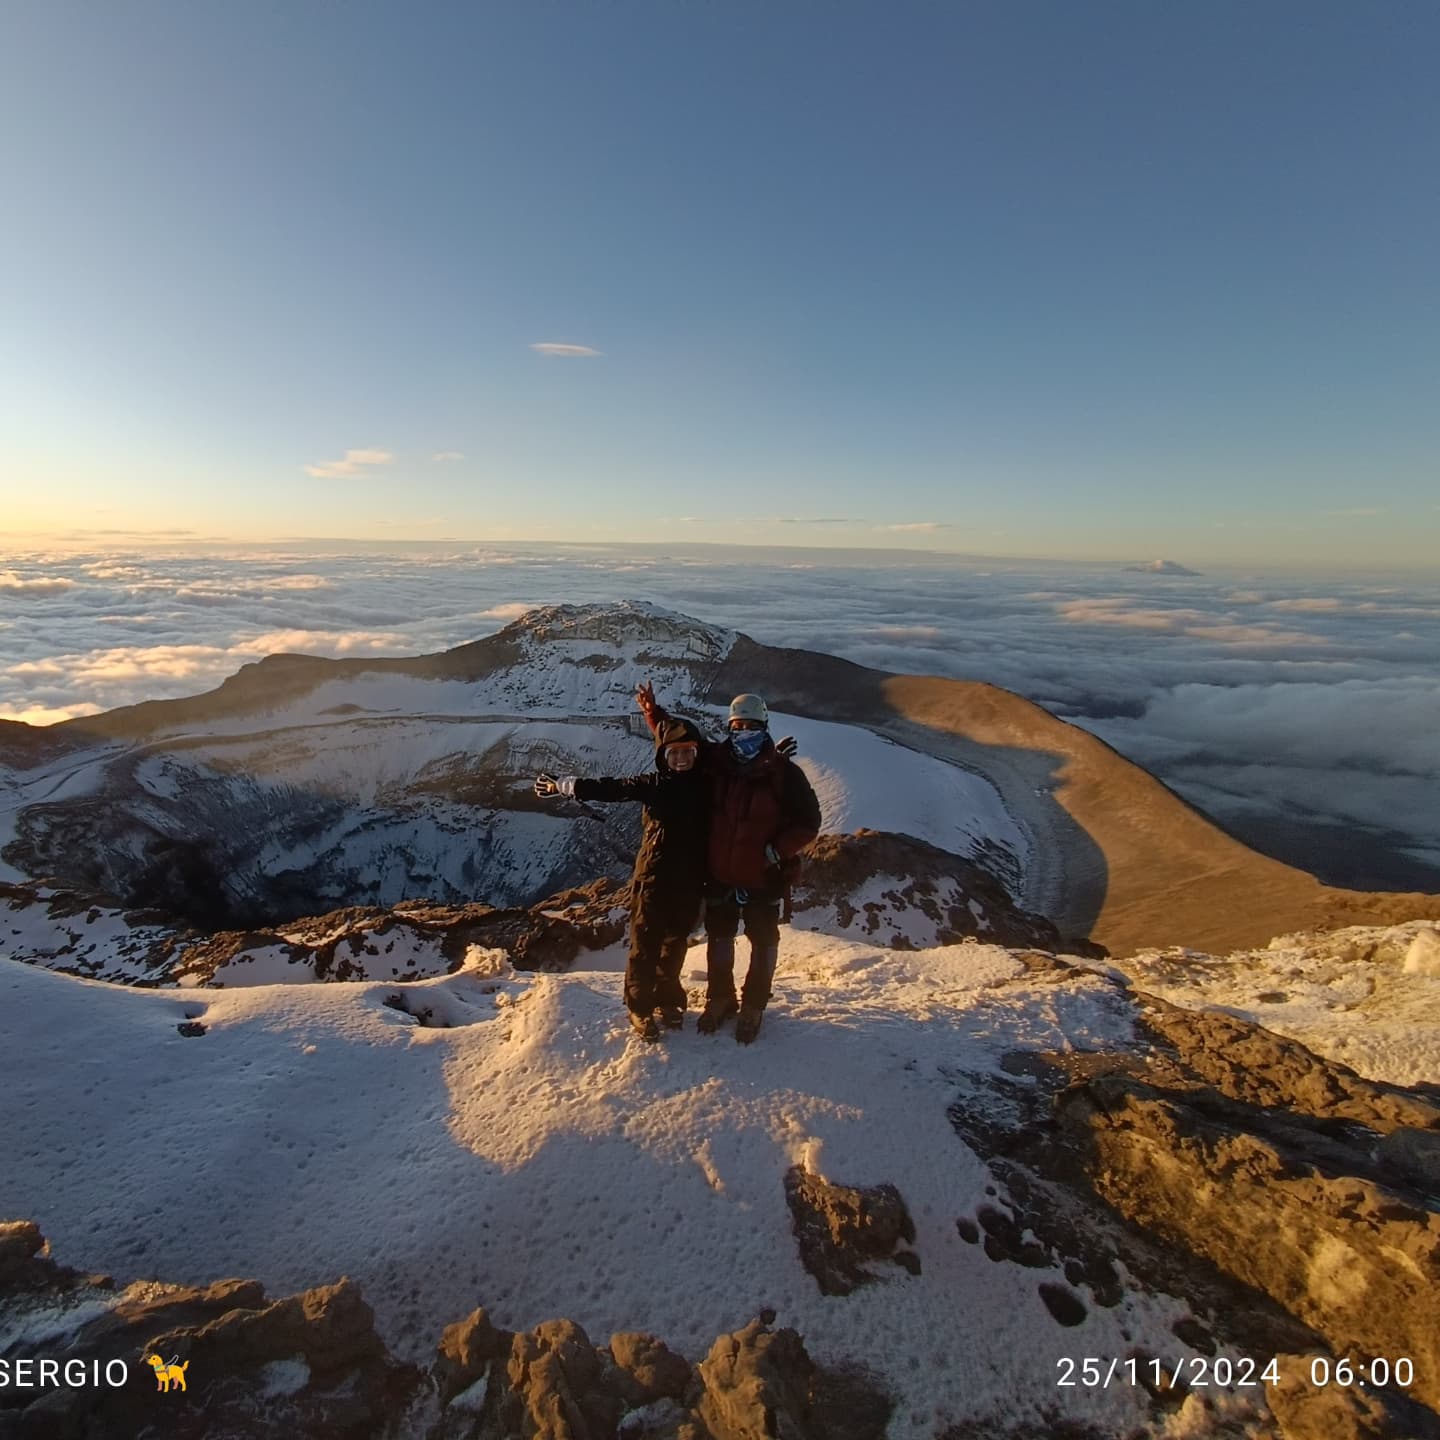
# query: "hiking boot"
672,1017
645,1026
715,1013
747,1027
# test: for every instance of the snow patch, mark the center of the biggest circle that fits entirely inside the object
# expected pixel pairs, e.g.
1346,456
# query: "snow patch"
316,1131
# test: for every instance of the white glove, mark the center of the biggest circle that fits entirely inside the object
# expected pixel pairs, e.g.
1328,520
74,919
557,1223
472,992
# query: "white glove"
547,785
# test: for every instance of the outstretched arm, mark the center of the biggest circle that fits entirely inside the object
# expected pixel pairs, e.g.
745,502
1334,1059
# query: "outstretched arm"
628,787
605,787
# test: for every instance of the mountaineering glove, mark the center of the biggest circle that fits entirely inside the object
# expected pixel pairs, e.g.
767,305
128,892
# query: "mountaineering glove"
787,747
772,854
547,785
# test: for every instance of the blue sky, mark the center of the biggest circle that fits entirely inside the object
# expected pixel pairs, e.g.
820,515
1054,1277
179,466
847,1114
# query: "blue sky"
1100,279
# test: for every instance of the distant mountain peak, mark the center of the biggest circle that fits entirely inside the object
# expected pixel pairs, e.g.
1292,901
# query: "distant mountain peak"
621,621
1162,567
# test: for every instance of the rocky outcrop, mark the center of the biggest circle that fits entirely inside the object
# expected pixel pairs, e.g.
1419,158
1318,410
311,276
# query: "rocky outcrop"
419,938
906,886
1281,1193
225,1360
1254,1066
929,893
228,1361
842,1230
1304,1410
1356,1260
757,1385
82,933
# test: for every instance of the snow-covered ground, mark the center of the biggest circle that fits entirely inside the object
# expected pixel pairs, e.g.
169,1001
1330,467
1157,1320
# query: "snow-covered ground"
535,1158
1367,996
863,779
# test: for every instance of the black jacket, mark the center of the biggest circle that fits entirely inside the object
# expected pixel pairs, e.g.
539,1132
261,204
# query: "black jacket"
677,817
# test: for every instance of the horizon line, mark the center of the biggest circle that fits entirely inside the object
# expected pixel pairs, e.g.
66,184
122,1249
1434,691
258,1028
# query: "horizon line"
161,540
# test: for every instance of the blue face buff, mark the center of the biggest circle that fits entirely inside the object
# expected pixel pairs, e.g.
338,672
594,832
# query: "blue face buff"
747,744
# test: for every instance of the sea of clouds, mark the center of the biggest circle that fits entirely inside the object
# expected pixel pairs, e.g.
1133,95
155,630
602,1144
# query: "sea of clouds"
1302,712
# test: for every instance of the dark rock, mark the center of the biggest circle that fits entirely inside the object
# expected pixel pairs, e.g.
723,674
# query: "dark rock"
558,1387
338,1381
1064,1304
466,1351
20,1242
1414,1154
649,1369
961,899
840,1227
1194,1334
907,1260
758,1386
850,1404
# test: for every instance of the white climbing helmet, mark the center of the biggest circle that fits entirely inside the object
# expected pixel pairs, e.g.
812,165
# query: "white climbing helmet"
749,707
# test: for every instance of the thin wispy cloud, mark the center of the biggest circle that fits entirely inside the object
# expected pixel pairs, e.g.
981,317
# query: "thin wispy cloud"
815,520
916,525
446,457
356,462
566,352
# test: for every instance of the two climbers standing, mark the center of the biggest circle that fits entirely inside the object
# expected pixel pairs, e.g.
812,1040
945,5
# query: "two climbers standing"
763,812
723,825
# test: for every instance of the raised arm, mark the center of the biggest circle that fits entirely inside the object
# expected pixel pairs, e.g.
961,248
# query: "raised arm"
654,712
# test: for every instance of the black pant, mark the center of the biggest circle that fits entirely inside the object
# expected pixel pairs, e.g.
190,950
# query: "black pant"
724,911
660,926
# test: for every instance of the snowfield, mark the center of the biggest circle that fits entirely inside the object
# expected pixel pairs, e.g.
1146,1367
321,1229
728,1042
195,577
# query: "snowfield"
535,1159
1367,996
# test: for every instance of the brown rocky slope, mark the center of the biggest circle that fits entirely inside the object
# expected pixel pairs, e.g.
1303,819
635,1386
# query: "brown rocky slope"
1118,856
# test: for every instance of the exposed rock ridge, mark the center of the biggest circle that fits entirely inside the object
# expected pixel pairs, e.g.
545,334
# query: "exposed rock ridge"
88,933
1301,1201
311,1366
961,899
402,942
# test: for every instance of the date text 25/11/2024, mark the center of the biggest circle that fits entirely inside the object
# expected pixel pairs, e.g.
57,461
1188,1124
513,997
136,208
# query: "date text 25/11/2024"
1094,1372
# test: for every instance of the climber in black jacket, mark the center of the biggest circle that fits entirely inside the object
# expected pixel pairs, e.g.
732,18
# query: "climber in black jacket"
669,877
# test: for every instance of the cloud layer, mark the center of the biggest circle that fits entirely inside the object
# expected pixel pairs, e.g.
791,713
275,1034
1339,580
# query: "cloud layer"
1283,707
